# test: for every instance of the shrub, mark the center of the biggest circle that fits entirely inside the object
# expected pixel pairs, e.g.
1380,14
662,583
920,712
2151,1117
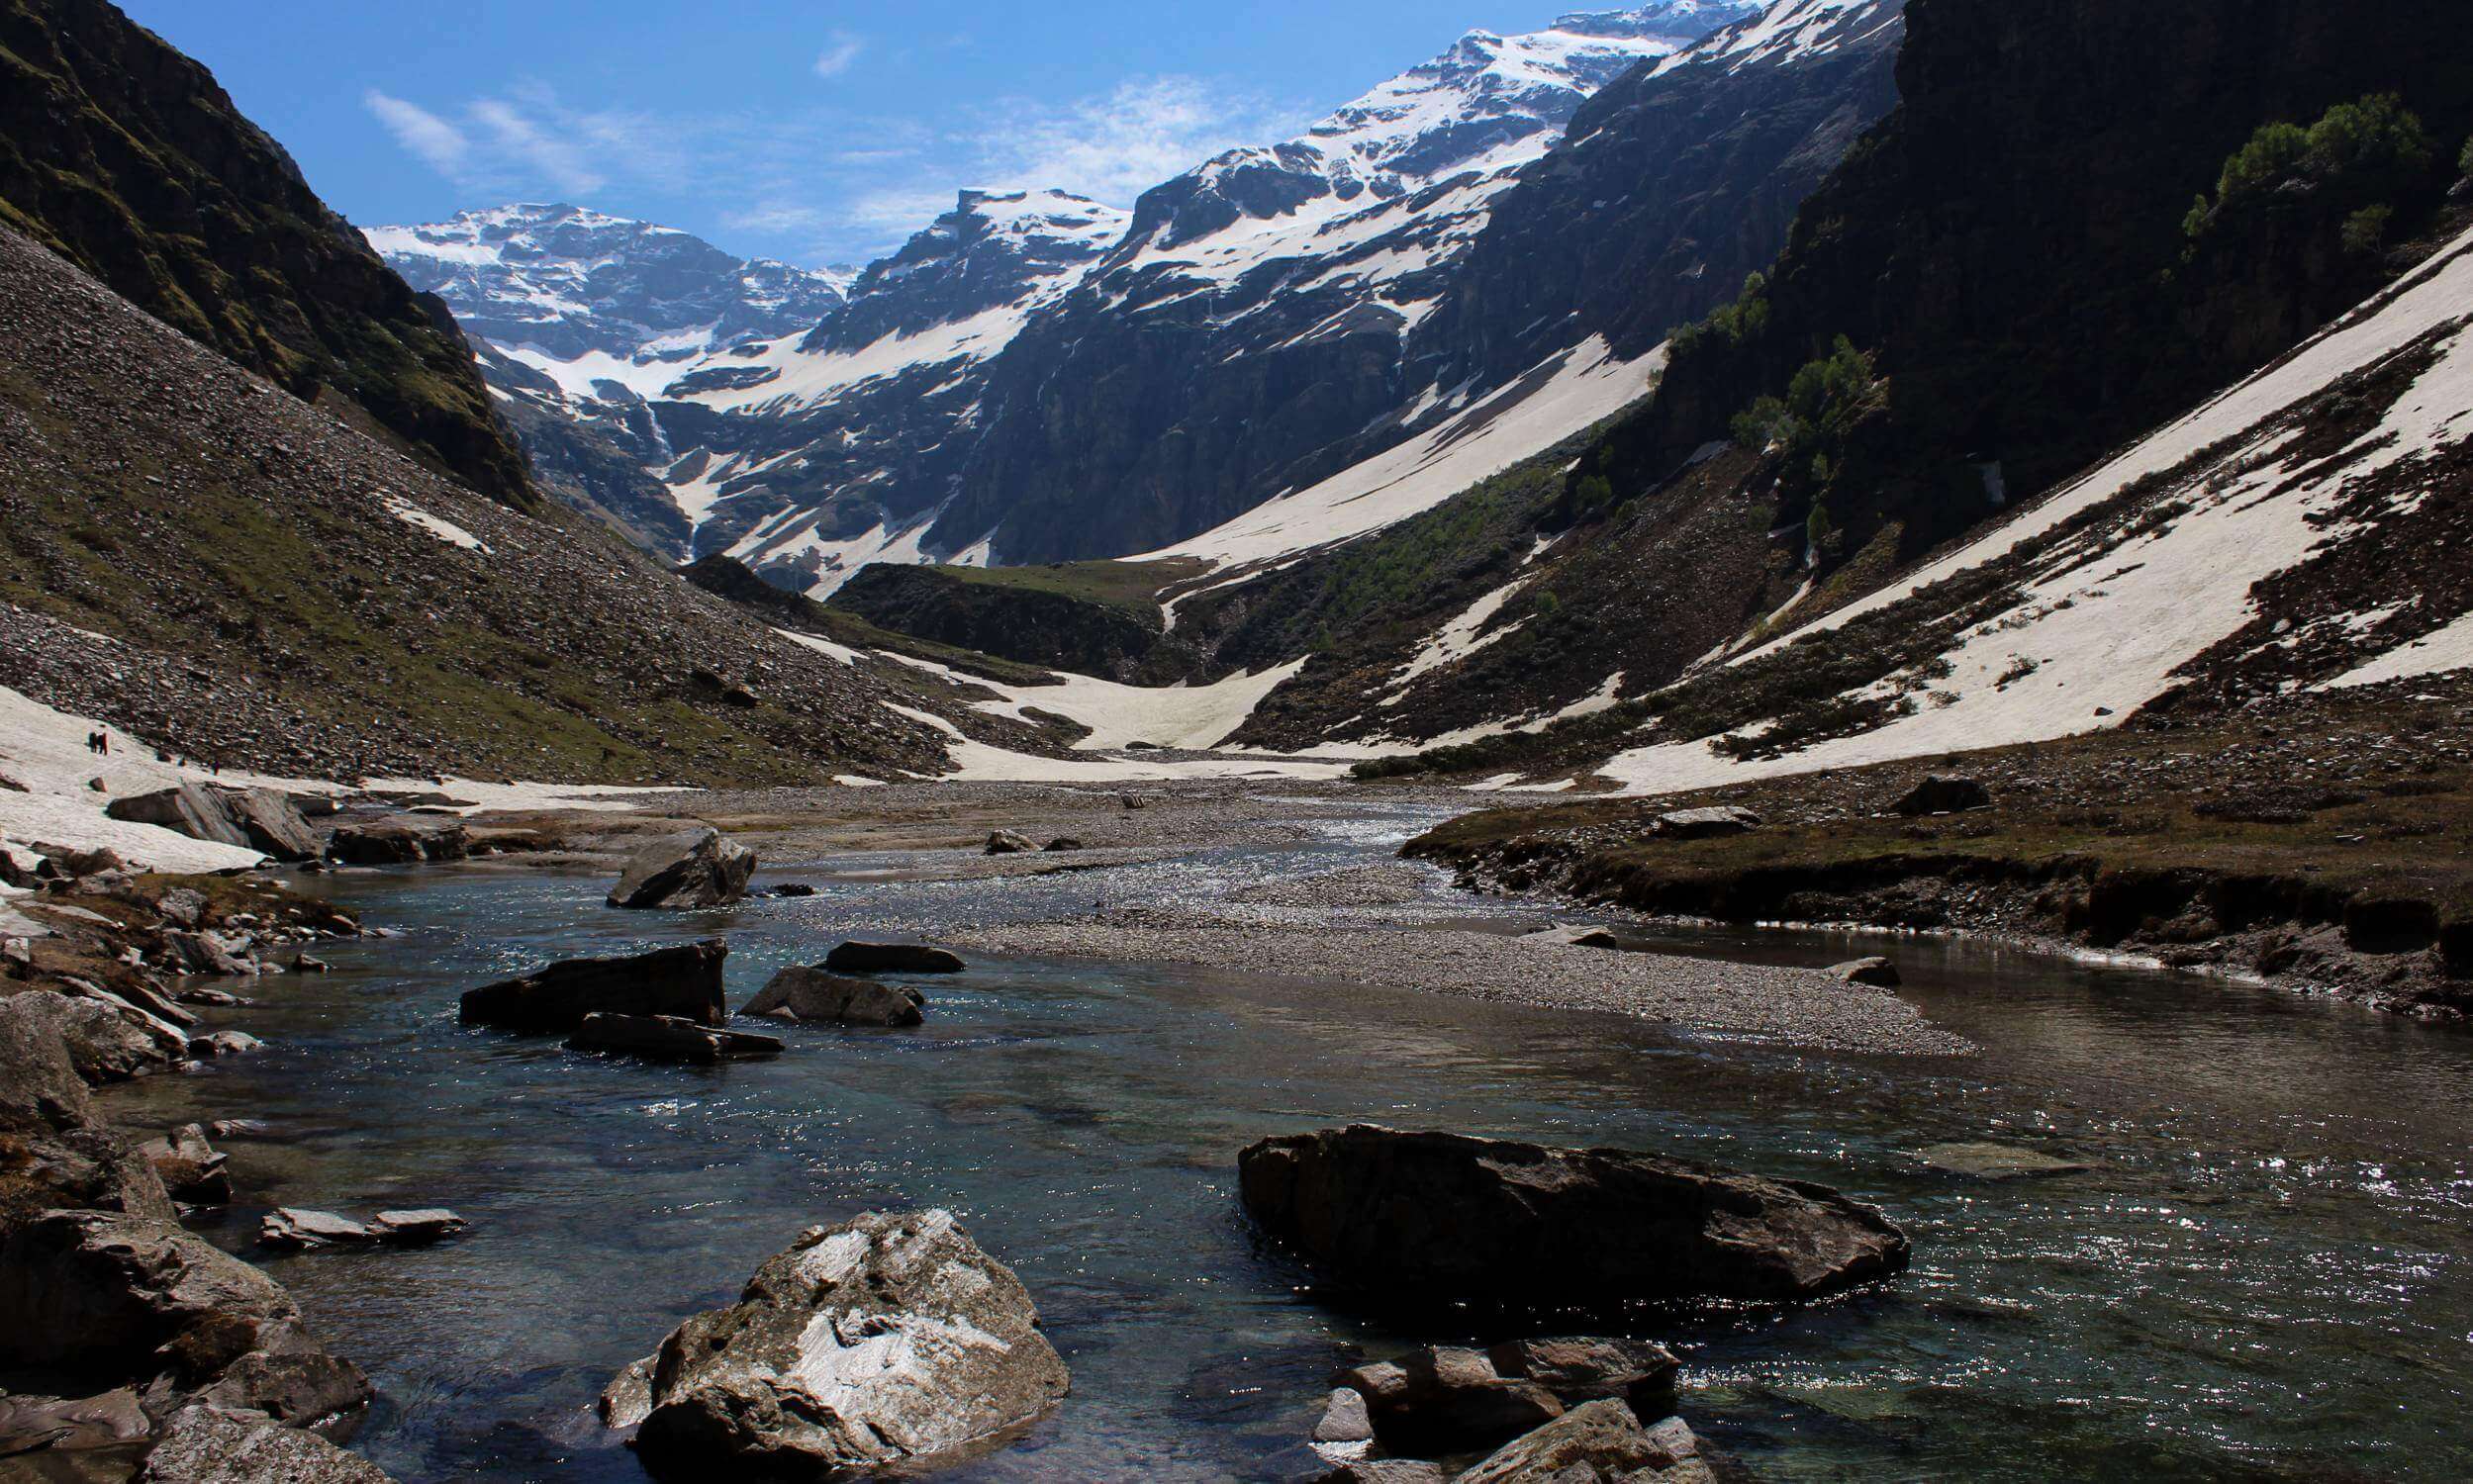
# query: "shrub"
2360,156
2365,230
1813,424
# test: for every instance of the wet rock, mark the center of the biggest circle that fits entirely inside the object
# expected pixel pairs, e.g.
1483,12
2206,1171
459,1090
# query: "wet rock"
1009,843
891,957
1343,1419
296,1229
1640,1372
130,1300
1997,1161
304,963
701,867
1874,972
812,994
881,1340
794,889
400,841
191,1168
1704,824
1447,1400
627,1399
210,999
1431,1219
1573,937
1601,1440
684,981
1065,843
416,1228
223,1044
215,1446
37,1430
107,1039
668,1037
1938,795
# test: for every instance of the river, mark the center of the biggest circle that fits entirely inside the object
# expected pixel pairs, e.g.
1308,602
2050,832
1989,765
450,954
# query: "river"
2265,1274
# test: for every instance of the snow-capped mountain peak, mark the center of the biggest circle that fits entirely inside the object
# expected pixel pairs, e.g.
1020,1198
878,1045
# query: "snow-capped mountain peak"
1788,31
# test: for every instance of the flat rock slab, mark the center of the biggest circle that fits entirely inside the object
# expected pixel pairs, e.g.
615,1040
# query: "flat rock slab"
669,1038
814,994
1432,1220
701,867
684,981
886,1340
891,957
1997,1161
1574,935
1704,824
1874,973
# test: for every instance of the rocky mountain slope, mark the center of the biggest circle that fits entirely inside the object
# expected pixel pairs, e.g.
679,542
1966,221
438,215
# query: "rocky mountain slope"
125,157
1035,378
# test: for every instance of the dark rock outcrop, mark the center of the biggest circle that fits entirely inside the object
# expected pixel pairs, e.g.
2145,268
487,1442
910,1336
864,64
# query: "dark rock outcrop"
812,994
880,1341
127,1300
1009,843
1429,1220
685,982
668,1037
1603,1441
891,957
1640,1372
54,1152
1442,1401
1874,973
190,1168
403,841
1938,795
700,867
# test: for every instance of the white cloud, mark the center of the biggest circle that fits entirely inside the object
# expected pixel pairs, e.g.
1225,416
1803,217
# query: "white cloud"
438,144
841,51
544,150
1117,144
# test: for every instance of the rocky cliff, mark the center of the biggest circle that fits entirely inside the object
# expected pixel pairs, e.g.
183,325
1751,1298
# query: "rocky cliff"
124,157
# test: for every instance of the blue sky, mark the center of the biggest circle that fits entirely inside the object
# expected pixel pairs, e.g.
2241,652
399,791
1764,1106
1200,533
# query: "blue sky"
815,132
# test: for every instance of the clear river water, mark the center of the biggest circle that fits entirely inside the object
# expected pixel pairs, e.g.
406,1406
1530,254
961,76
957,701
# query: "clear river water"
2267,1272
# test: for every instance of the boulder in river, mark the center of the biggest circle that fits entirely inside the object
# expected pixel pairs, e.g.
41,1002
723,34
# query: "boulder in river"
1601,1440
1447,1400
668,1037
812,994
296,1228
417,1227
891,957
882,1340
191,1168
701,867
1704,824
1588,1370
127,1300
1981,1160
1009,843
1343,1417
256,819
400,841
1429,1220
684,980
1938,795
1874,973
216,1446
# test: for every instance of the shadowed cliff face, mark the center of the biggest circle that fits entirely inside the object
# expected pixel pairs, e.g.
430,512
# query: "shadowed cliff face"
2010,241
125,157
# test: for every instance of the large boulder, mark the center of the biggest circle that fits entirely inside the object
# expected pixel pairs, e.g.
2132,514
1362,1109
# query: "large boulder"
250,818
127,1300
1580,1369
812,994
891,958
1603,1441
190,1168
1938,794
54,1154
668,1037
1009,843
1430,1219
1704,824
885,1340
701,867
400,841
216,1446
685,982
108,1040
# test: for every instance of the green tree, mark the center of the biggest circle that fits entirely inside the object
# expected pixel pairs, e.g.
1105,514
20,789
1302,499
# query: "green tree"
2358,156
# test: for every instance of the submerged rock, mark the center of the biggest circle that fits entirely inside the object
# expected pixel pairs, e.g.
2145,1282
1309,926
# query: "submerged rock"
668,1037
685,982
1943,796
129,1300
891,957
1997,1161
885,1340
701,867
1431,1220
1874,973
1601,1440
812,994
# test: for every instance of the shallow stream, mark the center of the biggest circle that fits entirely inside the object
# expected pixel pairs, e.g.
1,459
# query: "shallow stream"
2268,1272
